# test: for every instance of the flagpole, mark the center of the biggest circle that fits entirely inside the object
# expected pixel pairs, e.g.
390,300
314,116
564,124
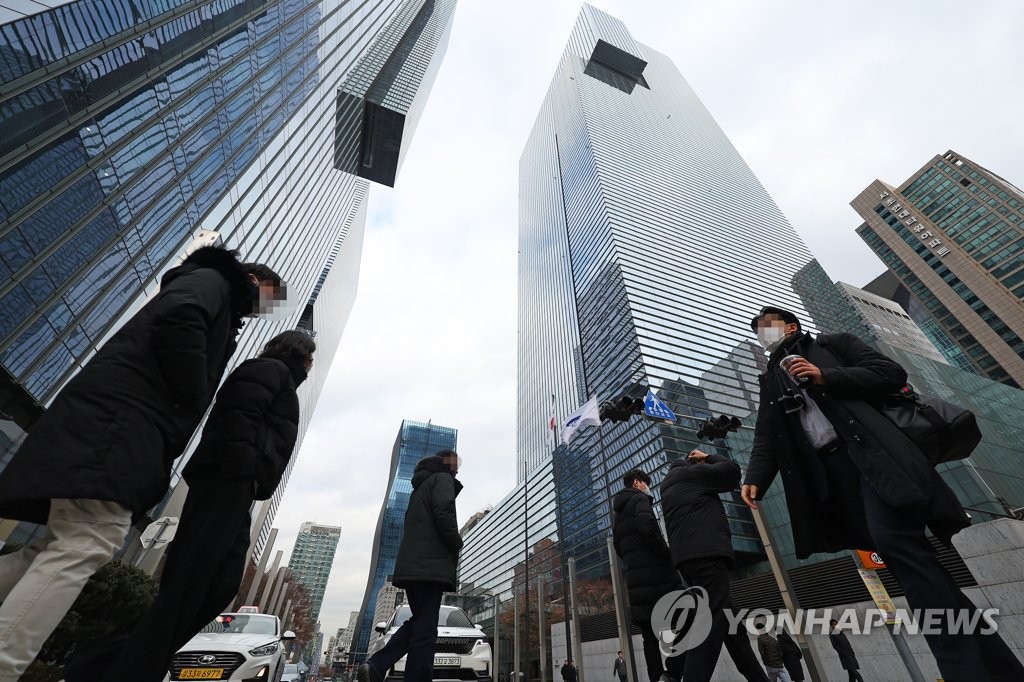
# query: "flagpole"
526,576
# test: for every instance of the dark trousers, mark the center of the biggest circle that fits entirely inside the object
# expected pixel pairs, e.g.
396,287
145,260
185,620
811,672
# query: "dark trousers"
652,654
742,654
204,567
417,637
898,534
855,676
713,576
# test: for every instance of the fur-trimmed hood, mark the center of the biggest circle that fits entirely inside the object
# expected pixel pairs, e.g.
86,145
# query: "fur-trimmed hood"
224,261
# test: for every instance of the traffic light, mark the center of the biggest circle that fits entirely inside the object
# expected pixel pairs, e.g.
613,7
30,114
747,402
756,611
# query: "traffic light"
718,427
621,409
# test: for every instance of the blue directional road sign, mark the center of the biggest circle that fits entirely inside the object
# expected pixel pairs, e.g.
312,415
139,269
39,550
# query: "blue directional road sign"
656,409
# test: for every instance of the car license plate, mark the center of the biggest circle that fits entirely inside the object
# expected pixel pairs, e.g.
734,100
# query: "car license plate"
201,674
447,661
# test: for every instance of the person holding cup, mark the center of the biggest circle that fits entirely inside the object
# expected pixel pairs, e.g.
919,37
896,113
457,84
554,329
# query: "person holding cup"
853,480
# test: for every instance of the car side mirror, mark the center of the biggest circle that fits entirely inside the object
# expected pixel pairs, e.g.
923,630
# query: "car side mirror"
381,627
477,625
288,634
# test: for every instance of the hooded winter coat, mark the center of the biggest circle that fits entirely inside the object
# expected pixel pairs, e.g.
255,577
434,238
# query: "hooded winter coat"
791,656
697,525
114,430
429,551
856,376
841,644
639,543
252,428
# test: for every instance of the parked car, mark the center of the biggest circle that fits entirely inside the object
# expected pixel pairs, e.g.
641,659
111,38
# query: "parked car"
463,650
291,673
235,646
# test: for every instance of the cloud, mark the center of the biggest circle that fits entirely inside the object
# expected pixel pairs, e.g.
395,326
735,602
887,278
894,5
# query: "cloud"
819,98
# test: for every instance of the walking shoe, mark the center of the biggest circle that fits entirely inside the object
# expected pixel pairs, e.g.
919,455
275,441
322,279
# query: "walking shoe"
366,673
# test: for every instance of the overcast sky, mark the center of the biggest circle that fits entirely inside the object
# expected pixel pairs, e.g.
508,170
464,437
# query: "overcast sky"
819,98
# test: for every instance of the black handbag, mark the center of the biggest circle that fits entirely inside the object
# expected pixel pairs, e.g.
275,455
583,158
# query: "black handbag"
944,432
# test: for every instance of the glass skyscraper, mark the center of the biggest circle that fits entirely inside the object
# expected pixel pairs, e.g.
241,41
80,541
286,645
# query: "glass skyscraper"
639,227
311,560
414,442
131,127
646,246
953,233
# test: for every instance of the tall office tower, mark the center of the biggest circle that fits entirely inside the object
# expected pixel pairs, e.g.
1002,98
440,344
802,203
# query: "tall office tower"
887,285
414,442
888,321
130,128
646,247
639,226
311,560
870,316
953,234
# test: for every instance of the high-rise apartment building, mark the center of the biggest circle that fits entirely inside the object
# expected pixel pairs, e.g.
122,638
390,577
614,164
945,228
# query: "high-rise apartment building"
414,442
131,127
389,598
953,234
646,246
312,558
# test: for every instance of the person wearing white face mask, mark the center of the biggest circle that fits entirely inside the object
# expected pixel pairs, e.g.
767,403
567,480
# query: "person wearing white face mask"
853,480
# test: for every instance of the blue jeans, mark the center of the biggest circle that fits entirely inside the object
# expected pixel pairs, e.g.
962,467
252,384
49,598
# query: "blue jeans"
417,637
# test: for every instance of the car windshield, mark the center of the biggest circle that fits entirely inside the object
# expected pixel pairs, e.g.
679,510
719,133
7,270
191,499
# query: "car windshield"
449,617
242,623
291,668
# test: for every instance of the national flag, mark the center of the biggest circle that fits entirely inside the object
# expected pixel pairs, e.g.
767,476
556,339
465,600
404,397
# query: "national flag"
552,432
589,414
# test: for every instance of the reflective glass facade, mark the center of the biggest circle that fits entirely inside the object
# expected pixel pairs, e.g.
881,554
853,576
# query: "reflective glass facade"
646,246
414,442
953,235
639,222
129,126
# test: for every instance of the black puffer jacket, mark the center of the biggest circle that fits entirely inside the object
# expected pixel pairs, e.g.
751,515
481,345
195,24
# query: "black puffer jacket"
114,430
253,425
430,546
697,525
639,543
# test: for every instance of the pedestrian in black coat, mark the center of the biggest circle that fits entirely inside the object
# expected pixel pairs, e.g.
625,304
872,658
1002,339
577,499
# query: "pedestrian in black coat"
701,546
425,568
647,565
102,452
853,480
244,451
569,671
847,658
791,656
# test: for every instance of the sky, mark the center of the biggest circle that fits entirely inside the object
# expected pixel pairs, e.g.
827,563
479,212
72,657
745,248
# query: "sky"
819,98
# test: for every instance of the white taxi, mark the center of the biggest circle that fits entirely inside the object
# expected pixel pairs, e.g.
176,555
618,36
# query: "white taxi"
235,646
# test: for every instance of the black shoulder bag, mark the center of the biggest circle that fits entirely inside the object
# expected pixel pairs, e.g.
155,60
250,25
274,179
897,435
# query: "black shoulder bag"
944,432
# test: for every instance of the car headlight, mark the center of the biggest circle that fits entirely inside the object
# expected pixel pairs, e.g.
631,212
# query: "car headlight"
265,650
